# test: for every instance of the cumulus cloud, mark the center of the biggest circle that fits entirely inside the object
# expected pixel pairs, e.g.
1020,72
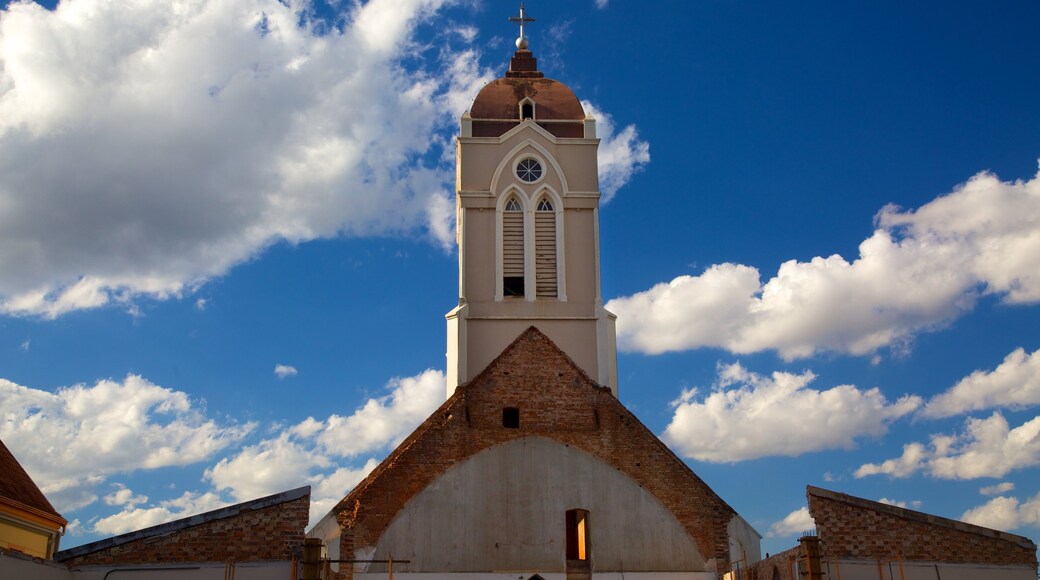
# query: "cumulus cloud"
987,448
917,272
282,371
793,523
602,3
134,518
385,421
146,147
789,418
310,451
70,440
1005,513
124,496
1014,384
1002,487
621,155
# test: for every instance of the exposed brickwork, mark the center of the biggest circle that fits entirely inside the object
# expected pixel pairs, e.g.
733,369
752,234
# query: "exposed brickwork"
557,401
858,529
782,564
271,532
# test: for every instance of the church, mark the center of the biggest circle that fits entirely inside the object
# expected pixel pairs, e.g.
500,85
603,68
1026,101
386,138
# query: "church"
532,466
531,469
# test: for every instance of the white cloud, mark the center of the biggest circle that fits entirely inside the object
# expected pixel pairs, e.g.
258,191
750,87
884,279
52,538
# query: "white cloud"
146,147
621,155
124,496
1015,384
1005,513
986,448
70,440
283,371
24,347
899,503
307,453
601,4
268,467
917,272
997,489
200,304
793,523
788,417
385,421
134,518
192,134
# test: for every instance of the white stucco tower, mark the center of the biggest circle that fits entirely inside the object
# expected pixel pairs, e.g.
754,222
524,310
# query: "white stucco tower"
527,202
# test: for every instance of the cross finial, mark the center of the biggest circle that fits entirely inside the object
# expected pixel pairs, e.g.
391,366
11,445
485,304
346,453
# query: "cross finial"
521,41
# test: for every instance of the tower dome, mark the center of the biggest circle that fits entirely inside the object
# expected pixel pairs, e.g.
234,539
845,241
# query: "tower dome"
525,94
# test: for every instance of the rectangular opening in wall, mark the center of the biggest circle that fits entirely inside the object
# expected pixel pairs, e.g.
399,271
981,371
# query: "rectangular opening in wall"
511,418
513,286
577,537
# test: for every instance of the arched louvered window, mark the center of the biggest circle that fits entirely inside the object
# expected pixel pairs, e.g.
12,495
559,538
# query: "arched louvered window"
513,249
545,249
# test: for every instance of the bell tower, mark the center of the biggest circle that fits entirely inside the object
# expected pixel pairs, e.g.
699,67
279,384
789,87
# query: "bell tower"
527,210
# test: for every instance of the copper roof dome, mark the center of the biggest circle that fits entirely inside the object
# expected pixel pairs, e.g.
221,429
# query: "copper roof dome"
497,107
500,99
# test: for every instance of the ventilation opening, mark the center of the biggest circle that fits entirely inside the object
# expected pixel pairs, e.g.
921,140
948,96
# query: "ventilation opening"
513,286
545,250
513,249
527,111
511,418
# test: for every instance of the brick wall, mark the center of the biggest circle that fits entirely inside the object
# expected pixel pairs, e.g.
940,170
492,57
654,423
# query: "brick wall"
557,401
784,565
858,529
253,531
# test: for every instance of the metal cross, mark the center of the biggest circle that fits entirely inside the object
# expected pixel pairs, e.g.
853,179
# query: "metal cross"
521,19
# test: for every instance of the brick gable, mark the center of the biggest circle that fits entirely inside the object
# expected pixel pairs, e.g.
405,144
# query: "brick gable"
556,400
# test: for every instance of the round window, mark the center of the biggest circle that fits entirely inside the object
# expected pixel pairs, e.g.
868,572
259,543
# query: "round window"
529,170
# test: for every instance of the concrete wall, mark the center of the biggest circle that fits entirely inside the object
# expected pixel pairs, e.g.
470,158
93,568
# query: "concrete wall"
17,566
547,576
504,509
860,570
744,542
206,571
20,567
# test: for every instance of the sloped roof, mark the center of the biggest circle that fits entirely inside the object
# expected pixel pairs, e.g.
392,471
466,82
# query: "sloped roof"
18,488
920,517
184,523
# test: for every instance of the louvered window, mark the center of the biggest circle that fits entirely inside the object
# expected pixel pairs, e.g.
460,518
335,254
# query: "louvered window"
513,249
545,249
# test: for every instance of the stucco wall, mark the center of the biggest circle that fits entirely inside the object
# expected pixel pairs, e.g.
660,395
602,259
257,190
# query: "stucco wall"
503,509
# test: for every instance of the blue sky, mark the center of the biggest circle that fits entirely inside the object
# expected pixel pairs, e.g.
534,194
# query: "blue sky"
225,243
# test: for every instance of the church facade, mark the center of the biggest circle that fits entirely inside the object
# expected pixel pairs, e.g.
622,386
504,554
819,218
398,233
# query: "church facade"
532,467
